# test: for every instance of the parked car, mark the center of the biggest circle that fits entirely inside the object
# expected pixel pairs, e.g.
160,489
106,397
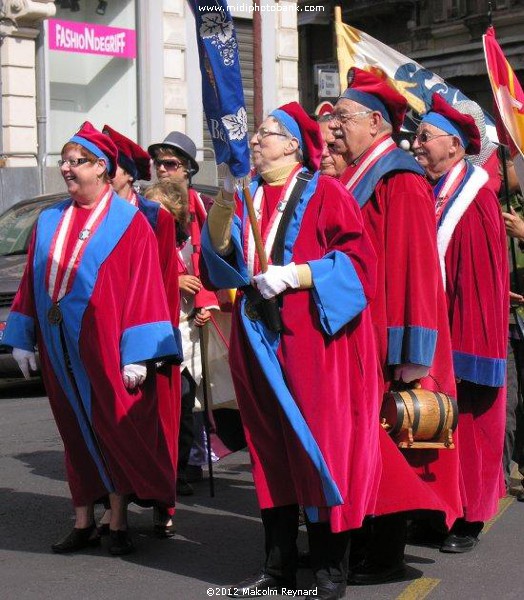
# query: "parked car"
16,226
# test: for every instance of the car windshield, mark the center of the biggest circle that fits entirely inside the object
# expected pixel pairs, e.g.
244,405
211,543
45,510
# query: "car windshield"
16,226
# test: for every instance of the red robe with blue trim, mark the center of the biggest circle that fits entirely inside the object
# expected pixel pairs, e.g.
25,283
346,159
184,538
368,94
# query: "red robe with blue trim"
410,322
472,243
308,397
115,314
168,384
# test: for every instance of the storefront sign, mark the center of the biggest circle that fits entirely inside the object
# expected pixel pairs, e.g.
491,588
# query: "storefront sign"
88,38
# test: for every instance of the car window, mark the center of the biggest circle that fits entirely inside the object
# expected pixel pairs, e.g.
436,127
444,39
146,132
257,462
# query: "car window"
16,226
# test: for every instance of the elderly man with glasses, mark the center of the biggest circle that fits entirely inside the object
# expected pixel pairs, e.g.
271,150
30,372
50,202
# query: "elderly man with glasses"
473,257
307,393
409,312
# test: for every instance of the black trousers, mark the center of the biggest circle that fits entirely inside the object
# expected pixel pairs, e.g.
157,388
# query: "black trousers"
329,551
514,439
380,541
186,435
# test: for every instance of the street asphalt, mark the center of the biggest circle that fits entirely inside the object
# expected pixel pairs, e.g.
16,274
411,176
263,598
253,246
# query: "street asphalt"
218,543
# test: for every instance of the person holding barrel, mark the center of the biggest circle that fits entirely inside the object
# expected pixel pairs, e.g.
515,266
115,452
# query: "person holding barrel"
474,262
409,311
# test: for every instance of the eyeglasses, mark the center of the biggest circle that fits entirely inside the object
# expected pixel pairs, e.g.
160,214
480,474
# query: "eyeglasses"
168,163
73,162
344,117
424,137
265,132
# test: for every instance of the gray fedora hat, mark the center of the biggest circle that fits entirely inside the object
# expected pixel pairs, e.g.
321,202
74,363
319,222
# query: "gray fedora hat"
181,143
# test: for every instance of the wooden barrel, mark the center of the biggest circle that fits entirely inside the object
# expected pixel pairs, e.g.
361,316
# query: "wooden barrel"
420,418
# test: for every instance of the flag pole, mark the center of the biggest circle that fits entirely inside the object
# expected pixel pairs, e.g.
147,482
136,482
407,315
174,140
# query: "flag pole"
338,23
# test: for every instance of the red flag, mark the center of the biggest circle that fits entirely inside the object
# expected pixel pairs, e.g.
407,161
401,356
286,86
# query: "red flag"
508,94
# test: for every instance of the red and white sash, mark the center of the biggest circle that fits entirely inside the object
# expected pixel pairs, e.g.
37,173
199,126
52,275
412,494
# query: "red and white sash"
268,236
60,276
452,181
369,161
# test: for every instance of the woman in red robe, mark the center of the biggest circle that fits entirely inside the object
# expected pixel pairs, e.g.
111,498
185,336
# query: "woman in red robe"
92,297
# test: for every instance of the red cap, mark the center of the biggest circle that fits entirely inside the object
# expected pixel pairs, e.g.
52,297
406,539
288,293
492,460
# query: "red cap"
102,146
131,157
375,93
450,120
296,120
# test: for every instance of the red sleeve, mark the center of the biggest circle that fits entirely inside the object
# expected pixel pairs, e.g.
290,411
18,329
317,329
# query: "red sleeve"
24,302
412,266
165,235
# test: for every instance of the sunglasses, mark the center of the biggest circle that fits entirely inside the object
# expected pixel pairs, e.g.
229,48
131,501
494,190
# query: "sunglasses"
168,163
425,137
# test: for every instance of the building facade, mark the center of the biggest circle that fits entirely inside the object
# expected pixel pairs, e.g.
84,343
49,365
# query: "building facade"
130,63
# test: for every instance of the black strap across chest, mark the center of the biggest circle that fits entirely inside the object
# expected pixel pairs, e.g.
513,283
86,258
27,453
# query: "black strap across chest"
277,253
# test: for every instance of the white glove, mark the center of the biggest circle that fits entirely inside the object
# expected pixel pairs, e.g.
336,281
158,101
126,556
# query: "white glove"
409,372
229,182
26,360
134,375
276,279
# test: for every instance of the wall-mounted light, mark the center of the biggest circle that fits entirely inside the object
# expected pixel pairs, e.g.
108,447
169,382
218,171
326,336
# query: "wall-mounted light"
75,6
102,7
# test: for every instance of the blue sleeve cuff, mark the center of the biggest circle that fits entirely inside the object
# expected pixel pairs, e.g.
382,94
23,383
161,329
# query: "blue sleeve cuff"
20,332
415,345
337,291
149,342
480,370
221,273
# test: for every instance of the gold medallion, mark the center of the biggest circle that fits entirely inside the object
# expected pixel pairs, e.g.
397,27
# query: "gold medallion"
54,315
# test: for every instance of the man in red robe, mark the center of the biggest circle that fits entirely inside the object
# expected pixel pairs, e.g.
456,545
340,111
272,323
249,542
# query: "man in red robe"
134,164
93,299
408,310
307,391
473,257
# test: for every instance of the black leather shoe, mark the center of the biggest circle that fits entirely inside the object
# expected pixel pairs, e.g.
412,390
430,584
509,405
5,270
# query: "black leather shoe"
77,539
163,523
194,473
328,590
520,496
368,573
121,543
459,543
257,584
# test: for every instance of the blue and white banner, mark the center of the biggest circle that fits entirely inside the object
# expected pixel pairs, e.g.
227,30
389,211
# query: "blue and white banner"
222,90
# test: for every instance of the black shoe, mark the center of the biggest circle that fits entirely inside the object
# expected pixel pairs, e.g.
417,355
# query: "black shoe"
520,496
121,543
253,586
163,523
456,544
103,529
183,487
194,473
368,573
328,590
77,539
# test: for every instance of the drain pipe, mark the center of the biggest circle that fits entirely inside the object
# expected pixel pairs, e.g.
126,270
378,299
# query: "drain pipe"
41,113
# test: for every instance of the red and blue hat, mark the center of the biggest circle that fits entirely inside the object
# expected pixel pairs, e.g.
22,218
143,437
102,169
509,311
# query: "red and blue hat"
131,157
443,116
305,129
375,93
99,144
